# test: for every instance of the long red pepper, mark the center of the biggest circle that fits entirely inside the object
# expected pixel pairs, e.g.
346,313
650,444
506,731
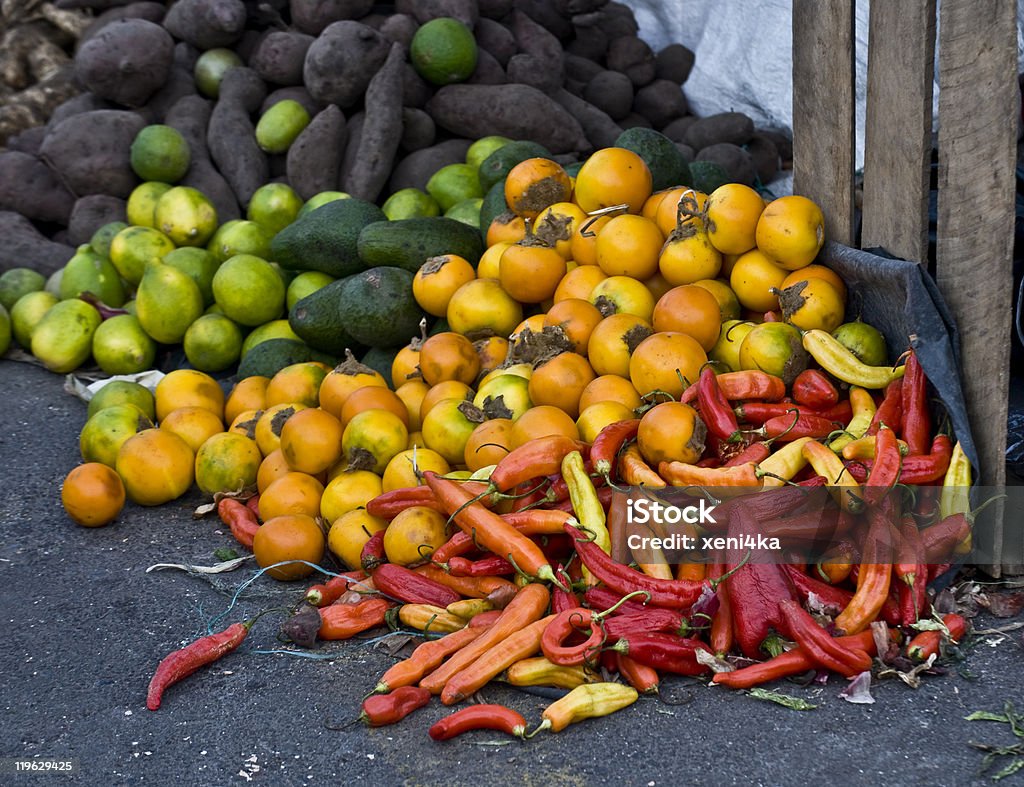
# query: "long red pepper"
715,412
793,426
916,428
181,663
479,717
673,593
664,652
816,642
755,452
885,471
406,585
760,412
923,469
538,457
927,643
813,389
873,578
744,385
388,505
534,522
489,566
380,710
791,662
372,554
939,540
890,411
602,598
240,519
609,442
721,636
805,584
641,677
321,595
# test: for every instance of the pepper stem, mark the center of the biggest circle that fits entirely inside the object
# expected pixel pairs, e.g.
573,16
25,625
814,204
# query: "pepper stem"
544,725
599,616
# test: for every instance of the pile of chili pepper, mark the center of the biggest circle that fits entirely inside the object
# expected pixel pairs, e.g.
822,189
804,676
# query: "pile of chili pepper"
537,587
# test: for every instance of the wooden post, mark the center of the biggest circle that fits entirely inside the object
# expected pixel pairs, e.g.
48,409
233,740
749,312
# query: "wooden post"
977,156
898,128
823,110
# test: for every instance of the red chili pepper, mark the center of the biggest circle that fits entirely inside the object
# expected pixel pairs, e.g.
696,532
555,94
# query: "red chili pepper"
653,620
915,579
806,584
793,426
330,591
761,412
791,662
664,652
562,599
181,663
533,522
819,646
721,636
890,411
388,505
602,598
673,593
714,407
823,524
740,386
240,520
923,469
813,388
885,470
372,554
490,566
380,710
563,626
342,621
609,442
479,717
927,643
916,428
641,677
405,585
873,578
938,541
539,457
755,452
709,463
529,494
253,504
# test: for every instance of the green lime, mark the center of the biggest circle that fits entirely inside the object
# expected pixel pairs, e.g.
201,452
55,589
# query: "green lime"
249,290
133,248
120,346
239,237
27,312
123,392
275,329
141,208
104,433
274,207
484,147
199,264
87,271
5,330
129,306
280,125
167,302
453,184
102,238
286,275
211,67
863,340
214,308
17,282
304,284
409,203
443,51
467,211
321,199
186,216
213,343
160,153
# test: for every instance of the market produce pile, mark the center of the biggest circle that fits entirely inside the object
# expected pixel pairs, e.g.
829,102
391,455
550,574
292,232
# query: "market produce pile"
454,417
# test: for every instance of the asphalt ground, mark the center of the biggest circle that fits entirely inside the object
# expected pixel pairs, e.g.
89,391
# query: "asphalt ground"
84,625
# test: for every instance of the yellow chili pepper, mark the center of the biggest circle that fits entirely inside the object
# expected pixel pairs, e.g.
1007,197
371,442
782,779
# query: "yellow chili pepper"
426,617
837,360
783,464
470,607
863,411
586,504
840,482
586,702
955,497
539,671
864,448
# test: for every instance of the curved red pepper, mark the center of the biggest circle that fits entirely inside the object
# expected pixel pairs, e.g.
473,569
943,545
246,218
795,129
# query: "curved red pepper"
760,412
539,457
383,709
406,585
664,652
755,452
641,677
240,519
819,646
479,717
372,554
939,540
321,595
885,470
890,411
181,663
793,426
649,622
388,505
563,626
562,599
916,428
924,469
927,643
813,388
602,598
806,584
673,593
715,412
489,566
742,386
609,442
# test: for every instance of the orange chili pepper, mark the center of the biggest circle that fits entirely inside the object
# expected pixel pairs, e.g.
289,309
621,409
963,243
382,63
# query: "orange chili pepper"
685,474
425,658
342,621
473,587
634,470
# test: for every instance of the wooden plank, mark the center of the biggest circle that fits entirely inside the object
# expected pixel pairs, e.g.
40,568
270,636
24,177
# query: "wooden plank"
977,147
823,110
898,128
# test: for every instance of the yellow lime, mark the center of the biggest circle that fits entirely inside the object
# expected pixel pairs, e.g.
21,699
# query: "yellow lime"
275,329
239,237
199,265
213,343
104,433
104,236
321,199
249,290
133,248
121,346
306,283
123,392
160,153
274,206
17,282
443,51
141,208
5,330
484,147
88,272
210,68
453,184
186,216
280,125
227,462
27,312
167,302
409,203
467,211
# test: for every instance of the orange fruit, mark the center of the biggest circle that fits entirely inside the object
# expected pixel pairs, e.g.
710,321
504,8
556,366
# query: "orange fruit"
449,356
629,246
560,382
293,537
311,440
292,493
299,383
691,310
156,467
188,388
530,272
613,176
577,318
671,432
247,394
194,425
343,380
438,279
488,443
732,214
542,421
535,184
610,388
92,494
791,231
668,362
